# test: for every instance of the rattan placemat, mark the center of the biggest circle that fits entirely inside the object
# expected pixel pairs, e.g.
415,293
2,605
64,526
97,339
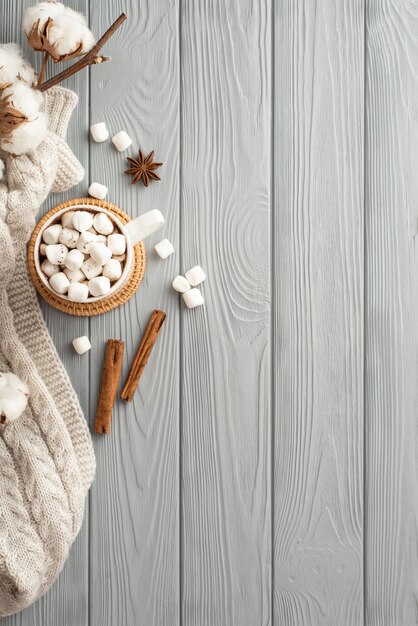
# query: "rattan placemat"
88,309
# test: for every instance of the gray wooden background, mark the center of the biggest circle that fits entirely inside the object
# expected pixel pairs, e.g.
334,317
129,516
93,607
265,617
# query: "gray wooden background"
267,472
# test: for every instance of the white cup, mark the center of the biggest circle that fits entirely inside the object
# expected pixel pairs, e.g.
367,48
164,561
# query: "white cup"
134,231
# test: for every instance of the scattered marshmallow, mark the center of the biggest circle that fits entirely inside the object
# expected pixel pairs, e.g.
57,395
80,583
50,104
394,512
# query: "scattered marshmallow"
164,248
59,283
181,284
122,141
49,269
69,237
42,249
56,253
100,253
82,220
52,233
113,270
99,132
67,219
117,243
78,292
86,241
82,344
99,286
98,191
74,260
74,276
91,268
103,224
195,276
193,298
101,239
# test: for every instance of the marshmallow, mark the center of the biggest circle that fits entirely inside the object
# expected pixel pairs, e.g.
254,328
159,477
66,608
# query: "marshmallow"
113,270
181,284
103,224
51,234
69,237
122,141
74,276
100,253
81,344
49,269
193,298
78,292
91,269
56,253
119,257
42,249
59,283
195,276
82,220
67,219
164,248
98,191
86,241
74,260
99,132
101,239
99,286
117,243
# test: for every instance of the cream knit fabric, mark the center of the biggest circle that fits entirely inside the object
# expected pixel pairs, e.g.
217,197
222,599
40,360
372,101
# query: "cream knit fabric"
46,457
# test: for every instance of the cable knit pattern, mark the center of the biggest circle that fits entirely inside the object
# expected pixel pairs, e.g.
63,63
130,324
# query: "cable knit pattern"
46,457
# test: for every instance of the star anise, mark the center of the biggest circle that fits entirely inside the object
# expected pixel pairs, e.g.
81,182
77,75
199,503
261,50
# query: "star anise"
143,167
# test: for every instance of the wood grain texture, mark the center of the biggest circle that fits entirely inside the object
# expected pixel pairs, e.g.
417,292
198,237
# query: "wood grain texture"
225,216
67,602
391,514
318,313
134,543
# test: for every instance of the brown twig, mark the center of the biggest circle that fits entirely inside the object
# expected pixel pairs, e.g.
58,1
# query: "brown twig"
112,368
89,59
43,68
145,348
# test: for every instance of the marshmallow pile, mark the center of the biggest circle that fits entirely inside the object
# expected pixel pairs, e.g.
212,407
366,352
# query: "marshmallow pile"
14,394
187,286
82,255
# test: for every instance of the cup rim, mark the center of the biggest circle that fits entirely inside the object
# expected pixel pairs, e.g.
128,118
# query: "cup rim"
92,209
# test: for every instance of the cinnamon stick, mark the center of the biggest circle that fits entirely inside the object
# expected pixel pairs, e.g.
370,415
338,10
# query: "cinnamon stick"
89,59
143,353
112,368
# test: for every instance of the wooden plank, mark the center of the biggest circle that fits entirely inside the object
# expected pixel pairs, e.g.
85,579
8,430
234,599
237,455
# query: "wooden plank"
391,513
318,295
67,601
226,515
134,565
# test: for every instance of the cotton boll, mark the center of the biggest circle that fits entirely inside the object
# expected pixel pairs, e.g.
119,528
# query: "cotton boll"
13,65
12,405
3,380
24,99
41,11
26,137
69,35
14,382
